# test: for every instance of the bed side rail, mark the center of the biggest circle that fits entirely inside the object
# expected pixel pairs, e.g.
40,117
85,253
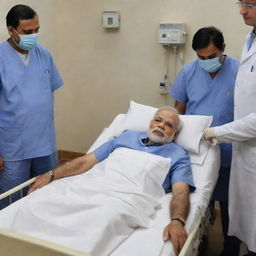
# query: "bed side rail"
16,189
191,245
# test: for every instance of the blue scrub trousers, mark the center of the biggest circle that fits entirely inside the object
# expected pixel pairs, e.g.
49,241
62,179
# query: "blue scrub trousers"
17,172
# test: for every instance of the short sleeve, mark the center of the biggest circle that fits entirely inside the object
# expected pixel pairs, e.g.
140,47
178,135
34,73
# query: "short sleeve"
103,151
126,139
178,89
180,172
56,80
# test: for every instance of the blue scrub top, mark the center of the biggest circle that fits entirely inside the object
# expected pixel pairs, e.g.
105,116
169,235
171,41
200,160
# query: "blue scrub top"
206,96
180,170
26,103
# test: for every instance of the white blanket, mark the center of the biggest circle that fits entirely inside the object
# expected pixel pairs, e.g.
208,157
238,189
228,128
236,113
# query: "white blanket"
95,211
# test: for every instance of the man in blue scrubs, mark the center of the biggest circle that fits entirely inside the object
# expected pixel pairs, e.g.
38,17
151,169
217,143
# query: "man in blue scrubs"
162,130
28,79
206,87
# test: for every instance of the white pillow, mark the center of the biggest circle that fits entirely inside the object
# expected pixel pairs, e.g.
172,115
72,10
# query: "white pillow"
191,131
139,116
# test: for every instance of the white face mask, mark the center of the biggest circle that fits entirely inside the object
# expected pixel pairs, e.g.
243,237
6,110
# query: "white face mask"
211,65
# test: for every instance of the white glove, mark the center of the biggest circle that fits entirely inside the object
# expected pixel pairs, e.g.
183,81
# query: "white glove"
209,135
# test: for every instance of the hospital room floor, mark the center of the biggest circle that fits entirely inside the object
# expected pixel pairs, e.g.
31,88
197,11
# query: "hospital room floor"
215,239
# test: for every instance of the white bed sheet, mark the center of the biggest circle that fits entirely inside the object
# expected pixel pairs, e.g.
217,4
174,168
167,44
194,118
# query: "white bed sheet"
149,241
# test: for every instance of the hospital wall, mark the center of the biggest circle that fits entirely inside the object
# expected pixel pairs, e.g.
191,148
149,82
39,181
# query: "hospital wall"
104,69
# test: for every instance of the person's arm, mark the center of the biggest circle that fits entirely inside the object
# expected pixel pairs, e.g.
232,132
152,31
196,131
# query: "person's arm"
243,129
178,90
179,209
76,166
1,158
1,163
73,167
181,107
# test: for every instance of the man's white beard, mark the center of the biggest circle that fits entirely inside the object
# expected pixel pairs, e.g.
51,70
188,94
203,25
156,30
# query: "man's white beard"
159,139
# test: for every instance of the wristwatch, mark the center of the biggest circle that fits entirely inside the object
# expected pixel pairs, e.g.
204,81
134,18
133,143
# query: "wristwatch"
52,174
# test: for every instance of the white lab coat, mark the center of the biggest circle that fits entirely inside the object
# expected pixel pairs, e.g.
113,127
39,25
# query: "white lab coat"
242,188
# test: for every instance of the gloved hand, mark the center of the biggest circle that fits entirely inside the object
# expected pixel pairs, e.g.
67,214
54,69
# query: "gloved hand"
209,135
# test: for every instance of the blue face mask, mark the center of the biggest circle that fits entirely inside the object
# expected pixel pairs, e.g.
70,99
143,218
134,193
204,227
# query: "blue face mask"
27,42
211,65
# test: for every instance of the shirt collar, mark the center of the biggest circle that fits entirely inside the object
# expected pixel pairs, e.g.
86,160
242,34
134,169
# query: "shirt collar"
250,39
253,33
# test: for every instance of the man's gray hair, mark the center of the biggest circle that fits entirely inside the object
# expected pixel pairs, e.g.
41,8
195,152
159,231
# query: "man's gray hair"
173,110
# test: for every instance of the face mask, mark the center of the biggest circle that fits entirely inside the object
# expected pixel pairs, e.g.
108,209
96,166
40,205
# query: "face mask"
211,65
27,42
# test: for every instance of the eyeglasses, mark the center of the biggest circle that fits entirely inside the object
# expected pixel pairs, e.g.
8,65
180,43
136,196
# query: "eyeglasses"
245,6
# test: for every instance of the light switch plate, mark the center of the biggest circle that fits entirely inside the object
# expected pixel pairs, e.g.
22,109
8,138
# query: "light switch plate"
111,19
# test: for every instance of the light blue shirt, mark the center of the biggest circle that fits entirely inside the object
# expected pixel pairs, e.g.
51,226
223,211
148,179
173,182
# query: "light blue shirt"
26,103
206,96
250,39
180,170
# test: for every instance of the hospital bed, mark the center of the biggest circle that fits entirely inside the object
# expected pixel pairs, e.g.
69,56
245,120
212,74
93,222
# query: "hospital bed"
205,159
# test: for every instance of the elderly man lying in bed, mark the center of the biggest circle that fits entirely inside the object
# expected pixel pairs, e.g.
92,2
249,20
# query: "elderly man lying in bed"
158,141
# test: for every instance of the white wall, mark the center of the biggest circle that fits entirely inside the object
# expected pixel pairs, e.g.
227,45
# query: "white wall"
104,70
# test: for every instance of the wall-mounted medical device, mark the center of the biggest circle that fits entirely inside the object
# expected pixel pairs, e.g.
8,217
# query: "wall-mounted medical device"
110,19
171,34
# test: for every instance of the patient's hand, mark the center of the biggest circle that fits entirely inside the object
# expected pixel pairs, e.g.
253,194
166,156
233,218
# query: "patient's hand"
177,233
40,181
